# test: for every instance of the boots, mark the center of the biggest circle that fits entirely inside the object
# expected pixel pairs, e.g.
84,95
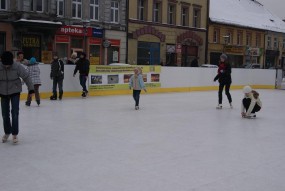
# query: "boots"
53,97
60,96
38,102
28,103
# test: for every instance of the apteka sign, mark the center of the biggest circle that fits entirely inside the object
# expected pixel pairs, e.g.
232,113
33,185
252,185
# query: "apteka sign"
74,31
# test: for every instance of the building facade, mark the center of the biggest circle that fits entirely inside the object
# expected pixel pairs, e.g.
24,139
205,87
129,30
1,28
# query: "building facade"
167,32
274,50
242,45
97,27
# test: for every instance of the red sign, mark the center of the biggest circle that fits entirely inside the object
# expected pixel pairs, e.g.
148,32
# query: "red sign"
114,42
95,41
74,31
60,38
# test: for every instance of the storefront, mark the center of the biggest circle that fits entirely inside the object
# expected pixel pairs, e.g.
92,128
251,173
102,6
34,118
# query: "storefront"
165,46
271,59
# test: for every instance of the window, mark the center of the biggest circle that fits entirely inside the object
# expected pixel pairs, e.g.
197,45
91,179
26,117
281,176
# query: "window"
275,43
258,40
239,38
248,39
76,8
184,16
229,37
269,42
3,4
115,12
196,17
142,10
60,8
216,36
94,10
40,5
283,46
171,14
157,12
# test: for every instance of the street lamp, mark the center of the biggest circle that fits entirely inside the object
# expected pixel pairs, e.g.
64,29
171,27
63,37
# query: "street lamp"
85,23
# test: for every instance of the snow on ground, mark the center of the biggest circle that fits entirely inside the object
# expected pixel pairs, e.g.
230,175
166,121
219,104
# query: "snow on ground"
175,142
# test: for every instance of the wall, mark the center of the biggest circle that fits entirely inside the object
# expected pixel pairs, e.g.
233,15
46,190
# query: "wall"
173,79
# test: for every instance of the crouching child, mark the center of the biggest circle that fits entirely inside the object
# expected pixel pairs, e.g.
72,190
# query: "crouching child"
250,103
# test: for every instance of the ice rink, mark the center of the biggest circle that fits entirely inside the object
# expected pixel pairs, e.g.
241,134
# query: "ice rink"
175,142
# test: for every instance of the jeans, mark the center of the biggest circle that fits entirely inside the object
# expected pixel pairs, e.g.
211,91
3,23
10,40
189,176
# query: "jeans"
83,79
246,103
5,105
136,96
227,90
59,82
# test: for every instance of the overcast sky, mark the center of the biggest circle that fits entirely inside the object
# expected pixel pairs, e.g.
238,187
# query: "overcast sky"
276,7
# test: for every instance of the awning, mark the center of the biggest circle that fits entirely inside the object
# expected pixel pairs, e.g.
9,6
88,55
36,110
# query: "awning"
37,23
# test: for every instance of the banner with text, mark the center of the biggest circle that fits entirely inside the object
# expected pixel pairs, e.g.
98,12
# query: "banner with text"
117,77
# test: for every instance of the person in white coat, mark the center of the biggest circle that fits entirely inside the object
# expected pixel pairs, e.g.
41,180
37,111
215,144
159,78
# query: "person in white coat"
251,103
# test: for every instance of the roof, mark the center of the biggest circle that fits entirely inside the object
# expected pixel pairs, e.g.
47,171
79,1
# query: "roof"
246,13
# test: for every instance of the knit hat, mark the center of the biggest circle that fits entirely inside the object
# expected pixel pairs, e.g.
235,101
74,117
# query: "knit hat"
7,58
224,56
33,61
247,89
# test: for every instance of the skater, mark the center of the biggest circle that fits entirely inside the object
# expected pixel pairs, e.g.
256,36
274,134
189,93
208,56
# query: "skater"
73,59
137,83
20,58
34,73
57,75
225,80
82,65
10,89
250,103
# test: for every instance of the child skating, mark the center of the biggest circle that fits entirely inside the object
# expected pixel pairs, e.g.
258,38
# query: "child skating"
137,83
250,103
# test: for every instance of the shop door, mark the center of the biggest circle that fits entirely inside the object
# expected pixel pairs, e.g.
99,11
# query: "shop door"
31,46
148,53
189,53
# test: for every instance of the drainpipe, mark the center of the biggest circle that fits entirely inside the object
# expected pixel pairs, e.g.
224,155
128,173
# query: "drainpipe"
127,31
207,32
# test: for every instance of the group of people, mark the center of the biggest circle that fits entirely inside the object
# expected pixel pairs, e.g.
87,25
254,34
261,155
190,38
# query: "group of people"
251,102
12,72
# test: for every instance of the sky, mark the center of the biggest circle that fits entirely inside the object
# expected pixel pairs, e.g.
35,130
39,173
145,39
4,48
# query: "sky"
276,7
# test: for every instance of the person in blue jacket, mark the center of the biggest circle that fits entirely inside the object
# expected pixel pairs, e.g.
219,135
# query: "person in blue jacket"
137,83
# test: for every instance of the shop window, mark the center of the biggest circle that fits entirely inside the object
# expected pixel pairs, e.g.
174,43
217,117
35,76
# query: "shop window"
60,8
76,8
157,12
114,11
95,53
62,50
94,10
171,14
3,4
185,16
197,18
113,54
2,42
170,55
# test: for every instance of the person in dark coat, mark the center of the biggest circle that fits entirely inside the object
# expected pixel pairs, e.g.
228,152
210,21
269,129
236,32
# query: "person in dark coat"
225,79
83,66
194,62
10,90
57,75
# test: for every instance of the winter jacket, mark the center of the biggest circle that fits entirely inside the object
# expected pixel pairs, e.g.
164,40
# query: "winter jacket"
34,73
224,73
253,101
10,82
136,82
57,69
83,66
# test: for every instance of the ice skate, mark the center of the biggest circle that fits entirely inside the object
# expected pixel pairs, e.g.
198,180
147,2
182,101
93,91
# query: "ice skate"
38,102
83,94
15,139
5,138
219,106
137,108
28,103
251,116
231,106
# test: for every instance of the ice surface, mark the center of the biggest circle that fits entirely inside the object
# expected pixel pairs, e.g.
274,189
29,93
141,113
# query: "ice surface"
175,142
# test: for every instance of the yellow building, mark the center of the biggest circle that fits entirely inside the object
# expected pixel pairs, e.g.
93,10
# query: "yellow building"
242,45
167,32
274,50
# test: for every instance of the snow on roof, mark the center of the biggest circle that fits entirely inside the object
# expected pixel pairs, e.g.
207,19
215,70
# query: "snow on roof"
246,13
39,21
